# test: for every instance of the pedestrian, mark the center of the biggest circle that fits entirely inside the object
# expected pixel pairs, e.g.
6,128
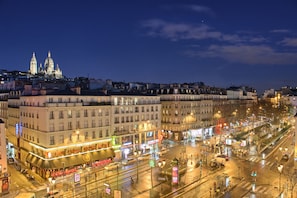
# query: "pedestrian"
132,181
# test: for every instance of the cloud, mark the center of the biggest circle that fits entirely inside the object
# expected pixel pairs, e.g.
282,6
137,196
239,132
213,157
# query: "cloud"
201,9
247,54
280,31
292,42
183,31
238,48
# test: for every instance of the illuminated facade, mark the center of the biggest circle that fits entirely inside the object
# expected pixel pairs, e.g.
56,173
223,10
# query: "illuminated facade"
56,134
48,69
186,116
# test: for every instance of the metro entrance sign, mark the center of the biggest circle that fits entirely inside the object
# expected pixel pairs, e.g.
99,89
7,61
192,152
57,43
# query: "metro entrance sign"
175,175
152,163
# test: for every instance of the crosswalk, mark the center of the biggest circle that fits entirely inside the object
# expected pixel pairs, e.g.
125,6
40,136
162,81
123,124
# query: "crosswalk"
248,186
256,159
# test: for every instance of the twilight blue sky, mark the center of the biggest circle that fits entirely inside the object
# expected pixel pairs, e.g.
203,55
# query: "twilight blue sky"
219,42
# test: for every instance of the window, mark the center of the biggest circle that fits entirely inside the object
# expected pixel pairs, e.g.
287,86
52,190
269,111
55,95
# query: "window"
99,112
78,124
61,139
93,123
69,125
52,140
86,124
51,116
61,126
85,113
107,133
77,114
93,135
107,122
100,133
86,135
61,115
69,113
51,127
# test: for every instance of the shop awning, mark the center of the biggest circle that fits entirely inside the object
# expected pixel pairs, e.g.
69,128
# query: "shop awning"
70,161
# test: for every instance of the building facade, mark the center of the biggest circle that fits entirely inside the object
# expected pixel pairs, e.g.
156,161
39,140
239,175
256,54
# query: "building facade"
55,134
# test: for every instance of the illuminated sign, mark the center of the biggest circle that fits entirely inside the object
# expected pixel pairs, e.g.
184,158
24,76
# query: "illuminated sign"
175,175
76,177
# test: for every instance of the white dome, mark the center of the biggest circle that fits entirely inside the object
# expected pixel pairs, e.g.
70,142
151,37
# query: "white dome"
49,64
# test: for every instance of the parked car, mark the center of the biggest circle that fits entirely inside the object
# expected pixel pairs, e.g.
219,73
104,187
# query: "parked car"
144,156
112,166
129,161
10,160
285,157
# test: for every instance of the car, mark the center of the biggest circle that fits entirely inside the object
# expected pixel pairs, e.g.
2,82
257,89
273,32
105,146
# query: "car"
198,139
129,161
144,156
10,160
285,157
112,166
222,156
162,151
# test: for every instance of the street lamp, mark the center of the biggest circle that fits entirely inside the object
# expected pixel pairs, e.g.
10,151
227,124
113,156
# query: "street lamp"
52,182
137,154
63,173
280,170
161,165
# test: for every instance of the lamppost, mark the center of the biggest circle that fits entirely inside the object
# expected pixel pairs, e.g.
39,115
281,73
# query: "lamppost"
161,165
118,176
137,154
254,175
52,182
63,173
217,117
280,170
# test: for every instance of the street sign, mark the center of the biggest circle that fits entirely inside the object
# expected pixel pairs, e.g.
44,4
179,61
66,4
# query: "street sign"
152,163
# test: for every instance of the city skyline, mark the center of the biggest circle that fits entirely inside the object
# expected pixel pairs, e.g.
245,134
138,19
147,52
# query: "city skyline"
219,43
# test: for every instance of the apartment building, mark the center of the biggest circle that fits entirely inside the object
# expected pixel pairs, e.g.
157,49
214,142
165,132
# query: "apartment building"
4,177
185,114
136,122
58,132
